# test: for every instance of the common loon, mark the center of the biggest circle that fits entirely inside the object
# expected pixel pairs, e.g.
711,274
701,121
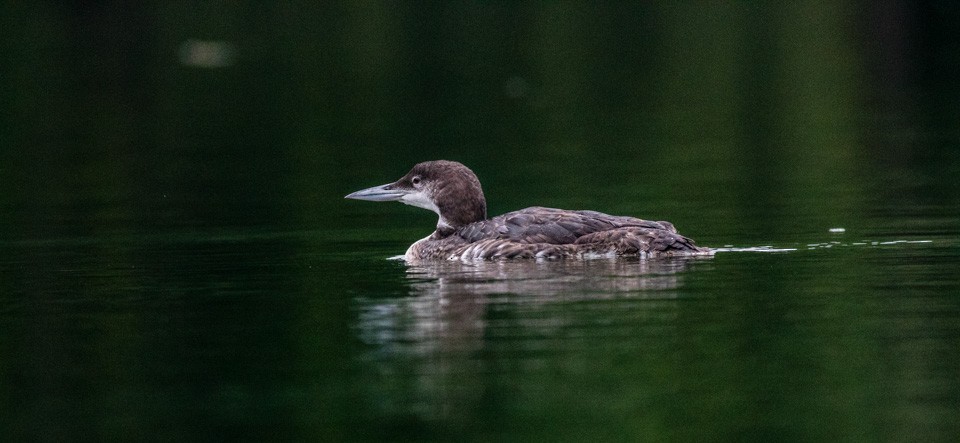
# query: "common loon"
464,233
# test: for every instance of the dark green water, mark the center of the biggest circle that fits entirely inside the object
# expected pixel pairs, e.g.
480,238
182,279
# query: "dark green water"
177,262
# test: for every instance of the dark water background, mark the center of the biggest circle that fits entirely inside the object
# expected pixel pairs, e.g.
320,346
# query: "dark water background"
177,261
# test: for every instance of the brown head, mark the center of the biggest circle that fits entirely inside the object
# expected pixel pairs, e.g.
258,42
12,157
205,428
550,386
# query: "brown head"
446,187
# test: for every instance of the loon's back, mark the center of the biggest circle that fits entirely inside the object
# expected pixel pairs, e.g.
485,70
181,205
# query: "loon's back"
539,232
553,226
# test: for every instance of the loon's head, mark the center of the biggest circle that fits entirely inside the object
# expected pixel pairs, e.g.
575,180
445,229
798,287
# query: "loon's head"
448,188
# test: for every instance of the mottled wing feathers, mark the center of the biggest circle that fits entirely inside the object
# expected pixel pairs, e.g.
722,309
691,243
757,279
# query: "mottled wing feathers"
553,233
635,240
494,249
552,226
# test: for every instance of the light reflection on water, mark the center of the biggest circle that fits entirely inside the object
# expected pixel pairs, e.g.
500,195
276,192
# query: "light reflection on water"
821,245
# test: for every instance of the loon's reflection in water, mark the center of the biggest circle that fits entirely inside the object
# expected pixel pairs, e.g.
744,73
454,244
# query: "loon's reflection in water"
461,321
546,280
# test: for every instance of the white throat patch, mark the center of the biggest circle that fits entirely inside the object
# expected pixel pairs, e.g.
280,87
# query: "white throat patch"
420,200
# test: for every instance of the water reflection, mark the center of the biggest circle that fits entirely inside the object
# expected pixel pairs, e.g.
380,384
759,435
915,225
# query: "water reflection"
448,300
462,320
546,280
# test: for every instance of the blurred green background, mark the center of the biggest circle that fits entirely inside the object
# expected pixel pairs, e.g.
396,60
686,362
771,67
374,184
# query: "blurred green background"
206,112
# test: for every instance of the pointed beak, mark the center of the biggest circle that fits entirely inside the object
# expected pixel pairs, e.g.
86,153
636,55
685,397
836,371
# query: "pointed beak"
382,193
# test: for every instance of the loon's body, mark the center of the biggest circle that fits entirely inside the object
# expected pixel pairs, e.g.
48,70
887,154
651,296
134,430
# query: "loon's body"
464,233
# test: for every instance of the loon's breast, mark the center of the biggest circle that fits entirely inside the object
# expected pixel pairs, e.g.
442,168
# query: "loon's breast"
550,233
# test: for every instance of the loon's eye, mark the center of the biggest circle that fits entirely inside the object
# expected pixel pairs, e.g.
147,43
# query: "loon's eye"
415,180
